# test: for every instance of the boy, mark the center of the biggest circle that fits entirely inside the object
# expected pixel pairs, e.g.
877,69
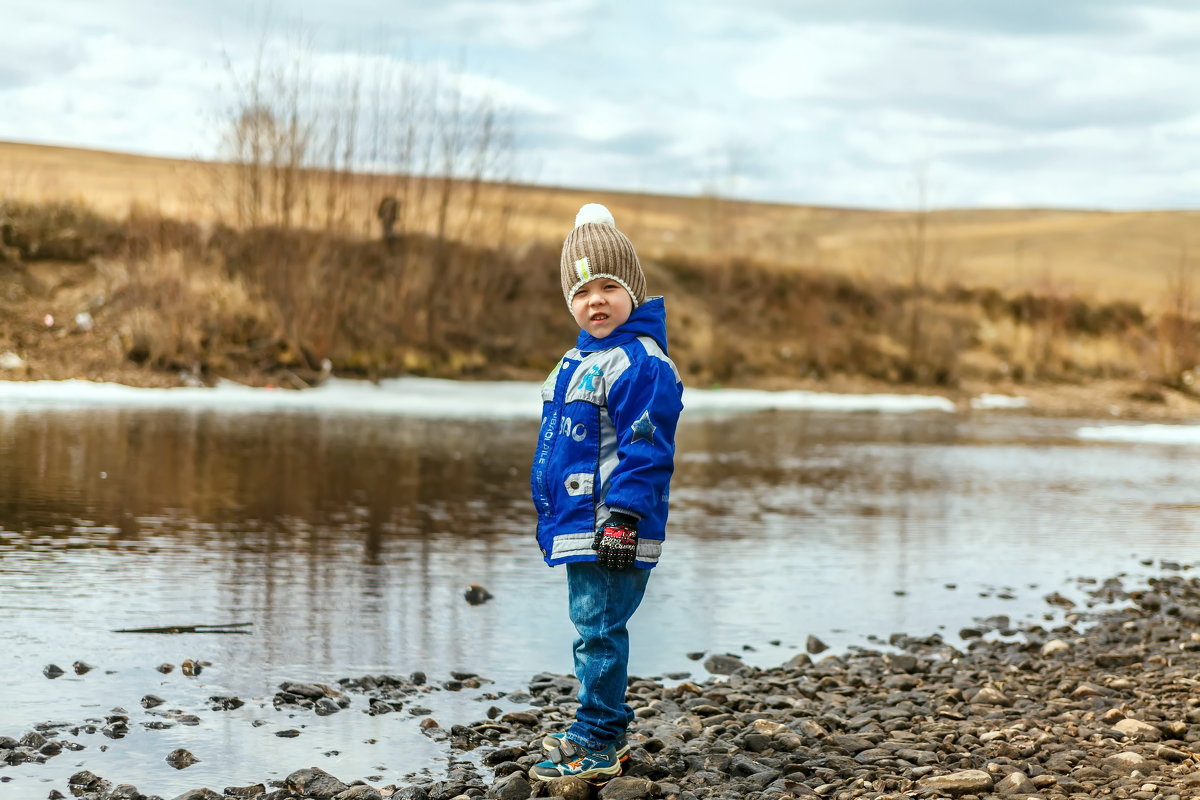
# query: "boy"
601,476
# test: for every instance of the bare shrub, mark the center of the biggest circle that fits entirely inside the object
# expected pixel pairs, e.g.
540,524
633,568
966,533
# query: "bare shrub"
176,314
1179,327
319,148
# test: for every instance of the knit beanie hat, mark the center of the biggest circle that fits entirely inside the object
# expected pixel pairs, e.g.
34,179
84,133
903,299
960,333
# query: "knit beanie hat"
596,249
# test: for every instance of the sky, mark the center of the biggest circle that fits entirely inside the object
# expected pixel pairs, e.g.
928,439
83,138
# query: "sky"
863,103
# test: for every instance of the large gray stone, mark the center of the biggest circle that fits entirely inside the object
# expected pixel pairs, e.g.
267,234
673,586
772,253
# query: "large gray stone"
199,794
511,787
1125,762
1137,729
314,782
990,696
627,787
569,788
87,781
1016,783
967,781
181,759
361,792
719,664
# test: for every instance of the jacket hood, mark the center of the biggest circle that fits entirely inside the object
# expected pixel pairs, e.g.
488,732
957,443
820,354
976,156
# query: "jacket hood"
648,319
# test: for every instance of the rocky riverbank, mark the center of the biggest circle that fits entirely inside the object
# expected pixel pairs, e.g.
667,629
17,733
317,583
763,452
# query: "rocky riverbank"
1107,704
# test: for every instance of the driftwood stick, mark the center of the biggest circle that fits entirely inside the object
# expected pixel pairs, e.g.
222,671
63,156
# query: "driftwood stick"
226,628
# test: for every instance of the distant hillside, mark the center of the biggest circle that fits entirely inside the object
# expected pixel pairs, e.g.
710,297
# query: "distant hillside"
159,272
1093,255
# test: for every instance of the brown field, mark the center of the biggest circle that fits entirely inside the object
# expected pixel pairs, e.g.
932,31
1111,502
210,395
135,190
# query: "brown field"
194,271
1089,254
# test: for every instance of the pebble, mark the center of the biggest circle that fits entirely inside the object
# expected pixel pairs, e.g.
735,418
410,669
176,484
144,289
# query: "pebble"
181,759
1136,729
723,664
314,782
1054,647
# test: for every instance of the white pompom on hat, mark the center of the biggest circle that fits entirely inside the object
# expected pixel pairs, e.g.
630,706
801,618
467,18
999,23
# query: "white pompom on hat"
596,249
594,212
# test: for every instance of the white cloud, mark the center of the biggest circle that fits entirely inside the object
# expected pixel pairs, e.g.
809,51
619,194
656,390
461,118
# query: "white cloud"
1088,103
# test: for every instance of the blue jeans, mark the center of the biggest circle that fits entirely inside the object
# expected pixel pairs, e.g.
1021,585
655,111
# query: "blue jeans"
601,603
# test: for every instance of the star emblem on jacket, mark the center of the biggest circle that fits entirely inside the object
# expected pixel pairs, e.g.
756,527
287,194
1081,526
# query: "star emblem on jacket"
643,428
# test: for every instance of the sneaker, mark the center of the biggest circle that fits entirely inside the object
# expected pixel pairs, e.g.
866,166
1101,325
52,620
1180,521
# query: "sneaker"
552,741
571,760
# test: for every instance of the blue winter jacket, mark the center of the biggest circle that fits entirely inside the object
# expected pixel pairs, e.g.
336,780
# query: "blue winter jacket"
607,440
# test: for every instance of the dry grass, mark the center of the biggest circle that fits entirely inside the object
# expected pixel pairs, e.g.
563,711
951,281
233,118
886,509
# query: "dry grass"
1095,255
759,293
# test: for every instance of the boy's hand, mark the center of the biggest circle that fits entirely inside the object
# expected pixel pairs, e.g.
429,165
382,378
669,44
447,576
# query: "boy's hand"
616,542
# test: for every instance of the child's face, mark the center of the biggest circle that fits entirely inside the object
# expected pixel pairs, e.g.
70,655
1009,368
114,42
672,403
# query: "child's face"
601,306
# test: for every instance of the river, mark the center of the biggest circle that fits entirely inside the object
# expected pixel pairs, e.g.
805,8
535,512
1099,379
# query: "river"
346,531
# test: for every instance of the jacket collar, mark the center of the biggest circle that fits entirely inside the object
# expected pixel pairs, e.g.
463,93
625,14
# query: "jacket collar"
648,319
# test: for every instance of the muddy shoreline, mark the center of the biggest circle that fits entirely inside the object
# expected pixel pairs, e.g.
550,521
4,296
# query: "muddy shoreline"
1105,702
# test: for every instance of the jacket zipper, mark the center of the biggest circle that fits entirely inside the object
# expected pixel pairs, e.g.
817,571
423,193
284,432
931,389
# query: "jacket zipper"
546,446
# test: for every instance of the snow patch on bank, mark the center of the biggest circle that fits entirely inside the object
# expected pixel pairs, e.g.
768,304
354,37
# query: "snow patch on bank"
987,401
423,397
726,400
1142,434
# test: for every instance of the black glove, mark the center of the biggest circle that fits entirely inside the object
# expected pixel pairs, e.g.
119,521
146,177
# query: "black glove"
616,541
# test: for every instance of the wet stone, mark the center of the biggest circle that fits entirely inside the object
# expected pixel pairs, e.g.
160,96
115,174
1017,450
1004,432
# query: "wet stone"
32,739
360,792
308,690
181,759
1125,762
719,664
314,782
989,695
225,702
199,794
521,718
87,781
1171,754
1117,659
626,788
152,701
569,788
964,782
1015,783
1137,729
325,706
502,754
514,786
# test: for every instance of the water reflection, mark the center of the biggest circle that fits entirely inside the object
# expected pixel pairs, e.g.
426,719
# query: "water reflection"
347,542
